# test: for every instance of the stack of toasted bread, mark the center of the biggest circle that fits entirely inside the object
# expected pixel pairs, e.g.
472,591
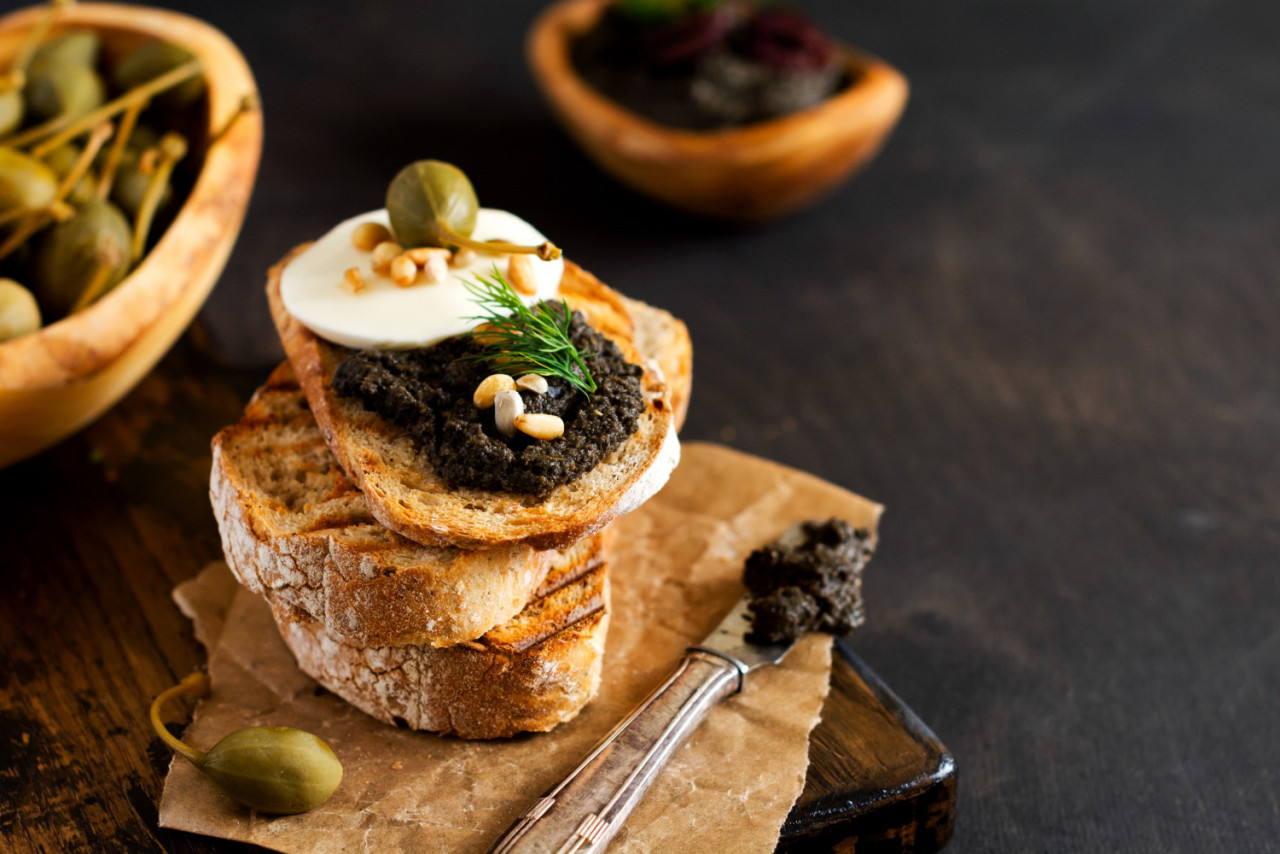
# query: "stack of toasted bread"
479,614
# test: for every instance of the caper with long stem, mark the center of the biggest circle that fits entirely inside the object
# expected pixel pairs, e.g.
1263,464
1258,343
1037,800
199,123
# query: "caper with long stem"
66,128
277,770
87,253
127,122
34,219
432,203
172,149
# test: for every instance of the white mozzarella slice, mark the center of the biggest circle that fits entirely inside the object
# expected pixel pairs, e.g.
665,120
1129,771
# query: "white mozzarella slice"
386,317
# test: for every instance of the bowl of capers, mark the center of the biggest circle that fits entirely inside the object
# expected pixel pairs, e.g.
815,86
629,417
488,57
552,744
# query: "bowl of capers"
129,143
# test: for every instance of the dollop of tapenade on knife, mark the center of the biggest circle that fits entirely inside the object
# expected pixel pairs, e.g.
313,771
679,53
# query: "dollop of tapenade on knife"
429,393
809,579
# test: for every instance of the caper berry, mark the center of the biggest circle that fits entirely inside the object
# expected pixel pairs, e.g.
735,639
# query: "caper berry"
19,313
272,769
432,203
58,90
130,185
79,260
76,47
150,61
12,110
25,182
429,194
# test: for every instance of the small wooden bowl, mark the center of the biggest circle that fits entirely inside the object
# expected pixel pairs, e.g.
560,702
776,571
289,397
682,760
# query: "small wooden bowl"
749,174
57,380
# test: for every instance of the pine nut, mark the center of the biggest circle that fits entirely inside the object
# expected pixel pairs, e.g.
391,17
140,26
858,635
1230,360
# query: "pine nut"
433,261
535,383
540,425
489,388
463,258
420,254
383,254
353,281
520,275
403,271
507,408
483,334
368,235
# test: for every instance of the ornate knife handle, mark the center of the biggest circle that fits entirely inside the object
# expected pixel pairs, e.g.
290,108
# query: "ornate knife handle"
584,811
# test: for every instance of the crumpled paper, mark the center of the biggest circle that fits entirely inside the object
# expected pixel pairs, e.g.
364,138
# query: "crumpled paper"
677,570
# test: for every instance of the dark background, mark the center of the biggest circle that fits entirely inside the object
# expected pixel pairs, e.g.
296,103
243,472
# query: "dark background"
1042,328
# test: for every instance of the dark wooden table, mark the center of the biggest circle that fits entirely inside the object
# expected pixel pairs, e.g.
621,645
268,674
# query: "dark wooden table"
1043,328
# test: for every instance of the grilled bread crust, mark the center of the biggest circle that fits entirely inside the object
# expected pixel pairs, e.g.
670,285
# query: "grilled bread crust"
406,495
529,675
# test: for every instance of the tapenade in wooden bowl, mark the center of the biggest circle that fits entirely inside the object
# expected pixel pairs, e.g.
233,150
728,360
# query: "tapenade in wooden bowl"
748,172
61,376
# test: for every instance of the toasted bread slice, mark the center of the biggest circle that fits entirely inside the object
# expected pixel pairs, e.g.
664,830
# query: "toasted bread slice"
528,675
406,495
294,526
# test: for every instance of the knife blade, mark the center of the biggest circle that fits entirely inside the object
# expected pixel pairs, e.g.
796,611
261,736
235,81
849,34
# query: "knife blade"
584,811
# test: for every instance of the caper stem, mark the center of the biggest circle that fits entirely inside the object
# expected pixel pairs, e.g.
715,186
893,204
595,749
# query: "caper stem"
172,149
31,134
101,133
195,685
248,104
114,154
36,219
144,92
94,289
547,251
59,210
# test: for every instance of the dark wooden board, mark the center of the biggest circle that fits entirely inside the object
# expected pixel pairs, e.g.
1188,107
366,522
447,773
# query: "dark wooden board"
879,781
110,521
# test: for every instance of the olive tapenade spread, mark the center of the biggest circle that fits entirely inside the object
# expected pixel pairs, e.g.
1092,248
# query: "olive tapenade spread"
428,392
809,579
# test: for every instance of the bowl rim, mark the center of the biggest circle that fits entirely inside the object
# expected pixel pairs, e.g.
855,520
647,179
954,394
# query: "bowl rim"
547,50
85,343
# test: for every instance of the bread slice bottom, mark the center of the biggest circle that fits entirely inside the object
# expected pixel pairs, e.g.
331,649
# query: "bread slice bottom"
528,675
294,526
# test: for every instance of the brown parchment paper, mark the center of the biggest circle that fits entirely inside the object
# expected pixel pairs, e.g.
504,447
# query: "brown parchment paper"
677,570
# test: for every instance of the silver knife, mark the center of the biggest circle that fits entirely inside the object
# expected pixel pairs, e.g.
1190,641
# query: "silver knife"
584,811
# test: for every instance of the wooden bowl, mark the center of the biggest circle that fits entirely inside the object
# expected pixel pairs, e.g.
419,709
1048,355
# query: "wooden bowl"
751,173
57,380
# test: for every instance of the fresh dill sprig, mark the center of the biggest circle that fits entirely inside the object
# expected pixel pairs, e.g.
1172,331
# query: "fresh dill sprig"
520,340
